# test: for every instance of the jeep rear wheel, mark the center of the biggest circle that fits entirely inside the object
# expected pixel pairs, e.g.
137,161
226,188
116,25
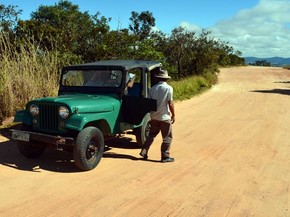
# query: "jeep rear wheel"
89,148
142,132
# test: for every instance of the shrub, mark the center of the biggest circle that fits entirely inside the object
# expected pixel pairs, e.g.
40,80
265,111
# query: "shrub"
186,88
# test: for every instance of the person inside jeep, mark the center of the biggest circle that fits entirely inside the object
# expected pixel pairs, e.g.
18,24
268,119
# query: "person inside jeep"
132,89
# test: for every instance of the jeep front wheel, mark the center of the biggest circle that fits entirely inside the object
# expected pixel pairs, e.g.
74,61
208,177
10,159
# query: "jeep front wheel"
89,148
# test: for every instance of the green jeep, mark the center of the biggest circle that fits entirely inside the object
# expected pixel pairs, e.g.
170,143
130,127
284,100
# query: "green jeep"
95,101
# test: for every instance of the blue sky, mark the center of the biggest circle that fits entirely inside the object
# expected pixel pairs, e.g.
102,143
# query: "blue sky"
258,28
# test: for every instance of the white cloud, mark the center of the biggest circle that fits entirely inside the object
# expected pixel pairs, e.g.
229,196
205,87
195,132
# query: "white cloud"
191,27
261,31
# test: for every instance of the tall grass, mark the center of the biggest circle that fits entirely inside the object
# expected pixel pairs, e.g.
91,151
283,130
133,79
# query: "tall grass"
26,72
189,87
194,85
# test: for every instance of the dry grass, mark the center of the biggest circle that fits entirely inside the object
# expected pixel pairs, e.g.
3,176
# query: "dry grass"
26,72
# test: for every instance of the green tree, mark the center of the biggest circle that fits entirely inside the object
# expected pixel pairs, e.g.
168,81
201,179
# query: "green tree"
141,24
8,21
159,39
65,28
115,45
146,50
180,52
8,17
93,38
224,50
261,63
44,34
236,58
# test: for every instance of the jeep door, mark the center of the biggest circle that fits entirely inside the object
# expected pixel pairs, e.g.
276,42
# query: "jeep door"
135,103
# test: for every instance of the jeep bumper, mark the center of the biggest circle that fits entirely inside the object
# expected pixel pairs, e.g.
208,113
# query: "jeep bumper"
57,141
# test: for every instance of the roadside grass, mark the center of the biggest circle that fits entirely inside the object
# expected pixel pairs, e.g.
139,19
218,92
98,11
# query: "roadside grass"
191,86
25,73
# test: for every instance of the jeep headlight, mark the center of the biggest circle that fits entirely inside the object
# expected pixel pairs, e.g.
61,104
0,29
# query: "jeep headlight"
63,112
34,110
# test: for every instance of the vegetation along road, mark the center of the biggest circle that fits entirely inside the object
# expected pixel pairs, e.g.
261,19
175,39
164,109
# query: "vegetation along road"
232,150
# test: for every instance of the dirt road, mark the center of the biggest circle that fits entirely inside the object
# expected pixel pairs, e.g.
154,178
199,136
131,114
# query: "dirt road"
232,150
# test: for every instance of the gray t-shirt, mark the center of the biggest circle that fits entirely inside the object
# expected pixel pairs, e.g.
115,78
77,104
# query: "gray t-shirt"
163,93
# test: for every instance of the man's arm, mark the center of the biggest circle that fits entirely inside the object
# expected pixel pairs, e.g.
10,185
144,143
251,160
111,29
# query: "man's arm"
171,108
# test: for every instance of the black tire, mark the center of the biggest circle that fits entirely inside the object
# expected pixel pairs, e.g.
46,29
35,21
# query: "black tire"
30,149
89,148
142,132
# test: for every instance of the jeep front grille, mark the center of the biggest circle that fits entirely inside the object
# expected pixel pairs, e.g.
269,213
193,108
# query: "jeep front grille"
48,117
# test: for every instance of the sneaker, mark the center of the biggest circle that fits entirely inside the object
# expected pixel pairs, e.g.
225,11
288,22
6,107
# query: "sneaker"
167,159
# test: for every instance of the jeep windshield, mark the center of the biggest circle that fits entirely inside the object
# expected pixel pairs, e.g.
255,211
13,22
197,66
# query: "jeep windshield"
92,78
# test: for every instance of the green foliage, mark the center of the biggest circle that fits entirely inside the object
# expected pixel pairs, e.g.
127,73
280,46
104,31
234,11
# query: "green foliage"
211,77
8,17
180,52
145,50
189,87
115,45
141,24
190,54
72,31
261,63
236,60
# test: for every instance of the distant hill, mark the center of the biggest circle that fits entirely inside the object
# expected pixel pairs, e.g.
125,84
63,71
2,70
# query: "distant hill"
275,61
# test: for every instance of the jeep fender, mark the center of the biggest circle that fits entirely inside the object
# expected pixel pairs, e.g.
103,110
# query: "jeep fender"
78,122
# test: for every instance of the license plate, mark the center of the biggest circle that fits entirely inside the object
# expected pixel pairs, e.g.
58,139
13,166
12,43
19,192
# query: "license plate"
17,135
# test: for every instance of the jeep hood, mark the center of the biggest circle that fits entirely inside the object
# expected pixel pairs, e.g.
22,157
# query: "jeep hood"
83,103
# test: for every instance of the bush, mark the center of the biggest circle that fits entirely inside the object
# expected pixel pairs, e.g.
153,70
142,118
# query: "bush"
189,87
211,77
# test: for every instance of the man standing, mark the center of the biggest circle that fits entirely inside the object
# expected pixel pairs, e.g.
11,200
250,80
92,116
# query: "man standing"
161,119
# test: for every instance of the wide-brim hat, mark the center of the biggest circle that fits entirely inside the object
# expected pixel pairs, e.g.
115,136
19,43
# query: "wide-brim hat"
163,74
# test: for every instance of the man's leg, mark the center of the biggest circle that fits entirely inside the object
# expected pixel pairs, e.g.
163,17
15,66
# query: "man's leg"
166,131
154,130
